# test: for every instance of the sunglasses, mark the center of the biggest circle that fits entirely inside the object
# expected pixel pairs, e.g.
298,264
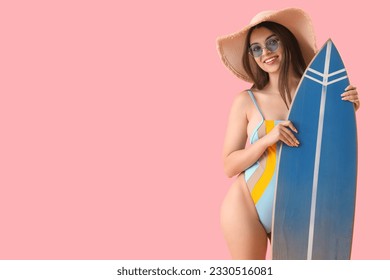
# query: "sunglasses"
272,44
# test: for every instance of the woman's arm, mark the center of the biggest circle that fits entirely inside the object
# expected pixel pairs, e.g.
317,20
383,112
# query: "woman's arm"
237,158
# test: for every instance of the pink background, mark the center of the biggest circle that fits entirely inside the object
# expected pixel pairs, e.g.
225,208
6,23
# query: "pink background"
112,119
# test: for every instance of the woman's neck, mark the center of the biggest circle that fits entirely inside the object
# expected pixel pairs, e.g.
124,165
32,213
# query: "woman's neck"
273,83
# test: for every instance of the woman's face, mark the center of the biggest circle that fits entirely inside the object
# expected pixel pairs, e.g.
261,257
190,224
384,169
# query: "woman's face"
271,56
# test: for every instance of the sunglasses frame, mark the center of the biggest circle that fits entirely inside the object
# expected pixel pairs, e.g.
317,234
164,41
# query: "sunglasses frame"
266,47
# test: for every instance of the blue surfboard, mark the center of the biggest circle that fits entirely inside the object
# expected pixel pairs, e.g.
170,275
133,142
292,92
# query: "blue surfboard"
316,182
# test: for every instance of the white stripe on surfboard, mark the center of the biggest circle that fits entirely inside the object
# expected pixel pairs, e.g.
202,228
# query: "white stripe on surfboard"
336,72
315,72
327,83
314,79
337,80
318,153
329,75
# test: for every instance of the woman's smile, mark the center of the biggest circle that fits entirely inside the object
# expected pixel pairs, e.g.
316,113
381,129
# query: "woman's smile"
270,60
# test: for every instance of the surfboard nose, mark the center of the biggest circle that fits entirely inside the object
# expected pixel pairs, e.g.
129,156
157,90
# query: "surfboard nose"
328,67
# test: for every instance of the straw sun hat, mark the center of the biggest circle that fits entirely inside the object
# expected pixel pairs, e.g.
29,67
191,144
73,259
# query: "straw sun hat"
231,47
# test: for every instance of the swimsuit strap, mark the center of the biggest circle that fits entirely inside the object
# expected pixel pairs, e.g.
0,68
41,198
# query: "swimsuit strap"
254,101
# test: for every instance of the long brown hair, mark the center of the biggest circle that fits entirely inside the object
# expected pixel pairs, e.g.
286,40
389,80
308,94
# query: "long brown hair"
291,55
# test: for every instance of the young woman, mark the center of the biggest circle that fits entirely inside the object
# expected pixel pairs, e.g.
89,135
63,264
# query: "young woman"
272,53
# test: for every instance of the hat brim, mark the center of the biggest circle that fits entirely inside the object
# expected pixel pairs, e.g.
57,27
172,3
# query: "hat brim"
231,47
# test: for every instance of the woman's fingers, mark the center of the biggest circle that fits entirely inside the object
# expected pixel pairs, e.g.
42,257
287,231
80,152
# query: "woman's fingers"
348,94
292,127
284,131
350,87
351,95
287,139
287,136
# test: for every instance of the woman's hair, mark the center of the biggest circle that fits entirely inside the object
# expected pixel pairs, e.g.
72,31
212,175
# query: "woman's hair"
291,55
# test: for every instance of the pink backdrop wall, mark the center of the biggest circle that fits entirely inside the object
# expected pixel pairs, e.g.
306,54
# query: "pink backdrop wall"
112,119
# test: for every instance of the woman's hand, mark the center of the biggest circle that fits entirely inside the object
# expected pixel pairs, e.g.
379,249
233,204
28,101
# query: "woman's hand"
351,95
283,132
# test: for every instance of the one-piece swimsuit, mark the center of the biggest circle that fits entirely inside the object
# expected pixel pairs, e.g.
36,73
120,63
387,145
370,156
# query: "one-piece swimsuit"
261,176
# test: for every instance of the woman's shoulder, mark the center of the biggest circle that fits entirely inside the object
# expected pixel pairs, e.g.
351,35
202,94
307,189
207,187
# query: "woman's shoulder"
242,98
242,103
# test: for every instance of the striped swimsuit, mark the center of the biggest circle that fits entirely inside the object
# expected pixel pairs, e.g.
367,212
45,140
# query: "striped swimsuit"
260,177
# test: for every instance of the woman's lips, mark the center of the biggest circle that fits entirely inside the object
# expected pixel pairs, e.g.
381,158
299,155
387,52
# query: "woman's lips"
270,60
